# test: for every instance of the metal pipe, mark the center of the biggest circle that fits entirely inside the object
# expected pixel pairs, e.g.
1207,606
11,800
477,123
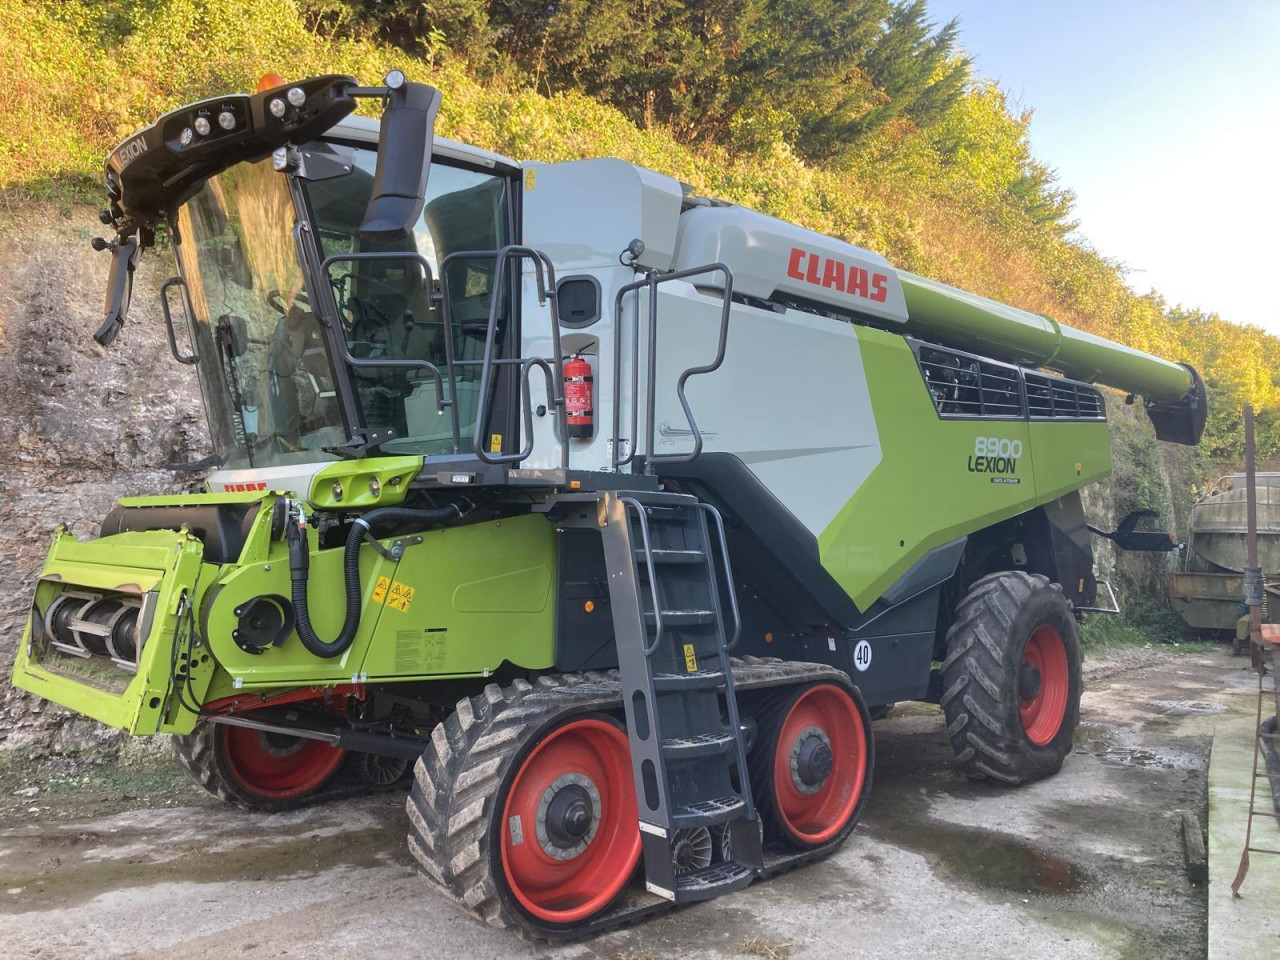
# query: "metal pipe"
970,322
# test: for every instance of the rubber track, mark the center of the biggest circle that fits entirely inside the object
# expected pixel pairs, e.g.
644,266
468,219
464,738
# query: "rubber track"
458,778
981,708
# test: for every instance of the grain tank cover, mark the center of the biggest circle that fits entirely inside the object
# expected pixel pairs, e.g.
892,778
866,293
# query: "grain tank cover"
778,261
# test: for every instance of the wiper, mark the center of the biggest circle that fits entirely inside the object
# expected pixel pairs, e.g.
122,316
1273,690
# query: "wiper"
228,350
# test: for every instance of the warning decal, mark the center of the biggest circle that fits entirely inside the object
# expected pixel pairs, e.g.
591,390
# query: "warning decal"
380,589
399,597
690,660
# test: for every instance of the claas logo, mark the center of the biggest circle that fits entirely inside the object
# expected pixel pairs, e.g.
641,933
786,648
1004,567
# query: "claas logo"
243,487
836,274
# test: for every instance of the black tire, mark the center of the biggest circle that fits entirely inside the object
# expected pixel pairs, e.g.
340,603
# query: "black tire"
460,786
994,624
203,755
770,713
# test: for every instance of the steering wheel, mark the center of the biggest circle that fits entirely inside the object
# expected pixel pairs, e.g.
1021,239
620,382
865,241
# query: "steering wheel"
276,301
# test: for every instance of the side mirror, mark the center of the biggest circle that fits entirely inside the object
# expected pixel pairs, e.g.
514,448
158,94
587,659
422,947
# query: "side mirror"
124,257
404,160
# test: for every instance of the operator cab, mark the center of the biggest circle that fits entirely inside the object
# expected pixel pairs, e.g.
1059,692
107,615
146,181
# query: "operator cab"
262,355
342,278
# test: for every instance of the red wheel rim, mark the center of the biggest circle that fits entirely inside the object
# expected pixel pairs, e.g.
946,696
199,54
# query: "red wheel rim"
581,755
815,812
275,765
1042,714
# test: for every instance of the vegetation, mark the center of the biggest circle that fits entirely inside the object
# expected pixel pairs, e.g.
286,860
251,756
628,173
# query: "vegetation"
857,118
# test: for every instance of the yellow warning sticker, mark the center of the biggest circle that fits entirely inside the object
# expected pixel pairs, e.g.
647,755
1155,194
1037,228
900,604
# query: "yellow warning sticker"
495,443
380,589
690,660
530,178
400,597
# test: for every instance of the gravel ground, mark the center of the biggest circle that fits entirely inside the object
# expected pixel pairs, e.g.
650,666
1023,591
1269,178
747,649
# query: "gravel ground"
127,860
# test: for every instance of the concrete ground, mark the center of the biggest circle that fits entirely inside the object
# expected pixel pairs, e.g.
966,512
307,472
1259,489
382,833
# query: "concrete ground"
1248,926
1086,864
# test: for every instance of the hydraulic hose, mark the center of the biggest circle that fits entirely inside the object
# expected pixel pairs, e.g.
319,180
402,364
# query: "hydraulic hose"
300,567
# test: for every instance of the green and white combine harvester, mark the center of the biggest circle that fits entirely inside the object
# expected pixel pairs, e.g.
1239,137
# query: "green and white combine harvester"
610,514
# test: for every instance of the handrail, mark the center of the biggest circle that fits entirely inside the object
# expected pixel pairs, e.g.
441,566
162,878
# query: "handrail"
728,572
555,388
404,363
168,319
652,280
649,648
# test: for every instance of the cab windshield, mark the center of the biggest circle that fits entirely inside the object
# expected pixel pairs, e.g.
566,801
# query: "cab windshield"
262,356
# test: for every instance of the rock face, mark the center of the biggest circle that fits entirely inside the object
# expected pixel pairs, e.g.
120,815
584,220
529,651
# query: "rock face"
81,426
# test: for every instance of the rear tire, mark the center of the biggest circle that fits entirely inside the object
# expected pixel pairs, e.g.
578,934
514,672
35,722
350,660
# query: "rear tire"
261,771
1011,680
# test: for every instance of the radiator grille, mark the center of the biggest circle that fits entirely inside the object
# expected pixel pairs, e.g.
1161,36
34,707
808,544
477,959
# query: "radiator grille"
1055,398
967,386
963,385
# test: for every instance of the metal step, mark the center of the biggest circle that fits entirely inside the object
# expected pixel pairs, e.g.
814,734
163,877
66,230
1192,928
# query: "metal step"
682,618
699,745
707,813
712,881
687,682
672,556
667,514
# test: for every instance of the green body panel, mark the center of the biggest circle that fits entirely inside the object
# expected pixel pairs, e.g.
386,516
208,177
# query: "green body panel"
974,323
1069,456
929,487
392,474
482,594
164,570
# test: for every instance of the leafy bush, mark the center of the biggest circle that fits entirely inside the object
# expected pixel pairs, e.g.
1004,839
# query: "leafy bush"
960,199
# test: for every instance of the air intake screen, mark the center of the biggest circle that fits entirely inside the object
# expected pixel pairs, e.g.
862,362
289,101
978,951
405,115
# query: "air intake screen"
967,386
1055,398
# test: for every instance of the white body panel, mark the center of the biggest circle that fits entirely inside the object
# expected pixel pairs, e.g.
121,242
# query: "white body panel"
791,400
583,214
770,256
294,479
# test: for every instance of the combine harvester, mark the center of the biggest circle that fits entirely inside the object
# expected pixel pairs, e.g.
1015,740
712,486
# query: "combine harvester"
510,458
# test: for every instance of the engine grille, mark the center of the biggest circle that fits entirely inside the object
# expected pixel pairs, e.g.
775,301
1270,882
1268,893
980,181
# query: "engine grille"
1056,398
965,386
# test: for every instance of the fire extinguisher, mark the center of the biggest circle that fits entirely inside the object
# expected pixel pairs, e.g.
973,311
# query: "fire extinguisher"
577,397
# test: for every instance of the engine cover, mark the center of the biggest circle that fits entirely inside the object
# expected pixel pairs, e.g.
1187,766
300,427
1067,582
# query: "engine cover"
775,260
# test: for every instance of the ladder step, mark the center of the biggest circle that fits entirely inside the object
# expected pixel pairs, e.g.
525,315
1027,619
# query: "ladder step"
698,745
707,813
681,682
682,618
671,556
667,514
712,881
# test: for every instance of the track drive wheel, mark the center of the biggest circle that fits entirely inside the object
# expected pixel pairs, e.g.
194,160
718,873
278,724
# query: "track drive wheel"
523,806
262,771
811,769
1011,680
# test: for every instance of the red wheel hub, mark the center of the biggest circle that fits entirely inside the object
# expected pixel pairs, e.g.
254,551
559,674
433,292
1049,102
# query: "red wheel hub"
820,764
276,765
1043,685
570,839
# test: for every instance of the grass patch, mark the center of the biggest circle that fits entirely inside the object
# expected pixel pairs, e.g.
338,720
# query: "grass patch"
763,948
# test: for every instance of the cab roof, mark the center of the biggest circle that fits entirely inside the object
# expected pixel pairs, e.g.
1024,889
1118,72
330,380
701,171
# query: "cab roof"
366,129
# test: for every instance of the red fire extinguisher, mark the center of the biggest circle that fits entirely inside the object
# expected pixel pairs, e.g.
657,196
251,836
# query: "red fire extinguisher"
577,397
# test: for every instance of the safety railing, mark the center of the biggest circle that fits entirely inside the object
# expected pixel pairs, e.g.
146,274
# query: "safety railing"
489,364
650,283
